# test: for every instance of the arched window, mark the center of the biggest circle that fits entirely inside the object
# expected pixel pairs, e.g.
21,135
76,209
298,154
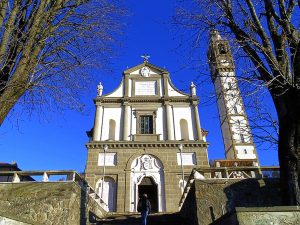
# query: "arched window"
184,129
112,130
222,49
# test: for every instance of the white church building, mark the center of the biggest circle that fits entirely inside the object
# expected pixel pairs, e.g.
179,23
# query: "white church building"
147,136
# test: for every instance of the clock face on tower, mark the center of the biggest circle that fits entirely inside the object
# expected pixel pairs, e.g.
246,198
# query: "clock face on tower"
145,71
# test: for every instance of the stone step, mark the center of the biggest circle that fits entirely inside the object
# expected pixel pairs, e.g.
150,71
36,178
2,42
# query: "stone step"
135,219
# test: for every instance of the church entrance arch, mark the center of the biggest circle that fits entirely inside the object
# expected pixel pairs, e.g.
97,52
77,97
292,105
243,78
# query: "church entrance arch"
147,176
149,187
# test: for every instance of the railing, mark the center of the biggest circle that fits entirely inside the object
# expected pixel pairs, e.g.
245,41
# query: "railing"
46,175
228,173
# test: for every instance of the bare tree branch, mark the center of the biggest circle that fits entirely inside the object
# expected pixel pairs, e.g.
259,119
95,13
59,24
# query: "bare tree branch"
269,36
41,41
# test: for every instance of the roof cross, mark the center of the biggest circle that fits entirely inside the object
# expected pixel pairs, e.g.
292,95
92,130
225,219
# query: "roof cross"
145,57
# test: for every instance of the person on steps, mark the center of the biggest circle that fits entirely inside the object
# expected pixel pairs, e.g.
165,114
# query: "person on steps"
144,207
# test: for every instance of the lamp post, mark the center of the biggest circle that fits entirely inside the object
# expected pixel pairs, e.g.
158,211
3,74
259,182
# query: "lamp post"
105,148
180,147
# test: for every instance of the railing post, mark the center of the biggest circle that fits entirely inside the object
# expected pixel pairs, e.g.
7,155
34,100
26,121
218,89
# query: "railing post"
74,176
223,209
226,173
218,174
16,178
45,177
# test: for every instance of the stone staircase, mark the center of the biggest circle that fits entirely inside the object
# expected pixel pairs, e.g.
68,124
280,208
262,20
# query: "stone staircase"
134,219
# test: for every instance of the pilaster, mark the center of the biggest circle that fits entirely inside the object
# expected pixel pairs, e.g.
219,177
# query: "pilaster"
197,120
125,121
98,122
170,133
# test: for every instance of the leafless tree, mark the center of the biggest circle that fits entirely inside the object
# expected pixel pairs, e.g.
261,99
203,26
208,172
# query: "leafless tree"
267,31
46,47
264,123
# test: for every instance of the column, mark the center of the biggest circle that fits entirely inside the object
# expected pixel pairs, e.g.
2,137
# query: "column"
125,122
170,133
98,122
198,126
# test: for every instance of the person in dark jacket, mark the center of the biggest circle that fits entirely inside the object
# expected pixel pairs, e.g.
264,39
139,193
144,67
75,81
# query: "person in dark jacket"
144,207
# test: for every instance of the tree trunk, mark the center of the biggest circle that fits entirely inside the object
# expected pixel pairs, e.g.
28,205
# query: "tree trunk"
289,147
8,100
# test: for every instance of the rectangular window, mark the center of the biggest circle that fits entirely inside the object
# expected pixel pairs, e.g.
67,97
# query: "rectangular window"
146,124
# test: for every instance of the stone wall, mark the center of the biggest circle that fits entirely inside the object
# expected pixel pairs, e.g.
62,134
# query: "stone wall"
46,203
215,198
278,215
287,215
121,173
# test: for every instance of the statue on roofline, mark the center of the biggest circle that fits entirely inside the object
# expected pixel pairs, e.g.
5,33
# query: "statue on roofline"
99,89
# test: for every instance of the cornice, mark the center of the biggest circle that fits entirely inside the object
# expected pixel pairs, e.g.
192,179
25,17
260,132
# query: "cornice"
157,144
146,99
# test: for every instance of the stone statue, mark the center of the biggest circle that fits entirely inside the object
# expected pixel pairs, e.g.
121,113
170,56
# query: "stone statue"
193,89
99,89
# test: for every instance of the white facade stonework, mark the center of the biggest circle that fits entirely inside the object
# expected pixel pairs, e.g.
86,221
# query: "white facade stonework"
139,127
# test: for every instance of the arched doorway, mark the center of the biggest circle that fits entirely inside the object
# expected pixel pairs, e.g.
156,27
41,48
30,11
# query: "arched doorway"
147,176
149,187
107,191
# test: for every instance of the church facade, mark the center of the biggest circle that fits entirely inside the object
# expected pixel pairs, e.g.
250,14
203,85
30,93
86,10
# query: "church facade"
146,138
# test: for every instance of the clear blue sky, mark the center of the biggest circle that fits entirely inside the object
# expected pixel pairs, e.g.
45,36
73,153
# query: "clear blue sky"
58,141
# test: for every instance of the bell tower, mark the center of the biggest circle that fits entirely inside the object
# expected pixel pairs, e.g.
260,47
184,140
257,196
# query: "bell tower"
236,132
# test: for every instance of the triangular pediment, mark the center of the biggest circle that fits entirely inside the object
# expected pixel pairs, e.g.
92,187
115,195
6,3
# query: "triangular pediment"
153,68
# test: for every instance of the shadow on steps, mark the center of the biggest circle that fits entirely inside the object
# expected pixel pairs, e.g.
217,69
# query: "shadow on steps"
135,219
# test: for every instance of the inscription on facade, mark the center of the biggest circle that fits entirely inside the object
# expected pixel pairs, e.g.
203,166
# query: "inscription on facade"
110,159
188,158
145,88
